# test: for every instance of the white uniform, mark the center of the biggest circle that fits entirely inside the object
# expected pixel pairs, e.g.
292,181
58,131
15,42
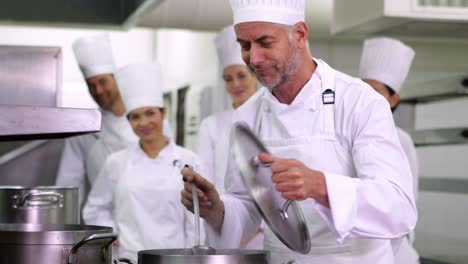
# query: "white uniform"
355,144
406,253
213,146
84,156
213,150
140,198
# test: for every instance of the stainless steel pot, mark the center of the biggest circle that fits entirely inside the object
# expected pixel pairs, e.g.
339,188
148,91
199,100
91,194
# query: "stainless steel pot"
55,244
39,205
221,256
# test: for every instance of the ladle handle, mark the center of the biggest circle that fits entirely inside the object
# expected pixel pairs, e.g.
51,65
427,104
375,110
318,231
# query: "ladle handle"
196,210
284,212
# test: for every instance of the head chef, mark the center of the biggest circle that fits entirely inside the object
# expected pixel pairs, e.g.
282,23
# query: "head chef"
333,149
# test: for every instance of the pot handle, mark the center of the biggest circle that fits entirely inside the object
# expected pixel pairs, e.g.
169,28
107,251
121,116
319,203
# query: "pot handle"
255,162
38,199
123,260
111,236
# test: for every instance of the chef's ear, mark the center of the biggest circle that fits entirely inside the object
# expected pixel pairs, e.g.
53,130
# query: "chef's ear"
163,111
394,100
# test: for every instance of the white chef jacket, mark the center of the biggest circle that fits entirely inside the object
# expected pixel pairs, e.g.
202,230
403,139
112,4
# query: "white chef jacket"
140,198
406,252
213,146
410,150
368,207
83,156
213,150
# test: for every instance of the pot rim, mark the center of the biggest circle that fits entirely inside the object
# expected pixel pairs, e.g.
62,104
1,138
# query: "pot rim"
41,187
48,234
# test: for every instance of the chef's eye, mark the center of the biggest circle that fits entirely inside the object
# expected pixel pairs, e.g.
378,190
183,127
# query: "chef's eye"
133,117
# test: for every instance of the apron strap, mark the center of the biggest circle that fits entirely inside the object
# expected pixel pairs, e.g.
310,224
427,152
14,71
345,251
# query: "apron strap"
328,98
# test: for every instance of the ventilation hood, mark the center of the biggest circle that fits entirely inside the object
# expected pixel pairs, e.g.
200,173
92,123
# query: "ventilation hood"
30,91
37,122
407,18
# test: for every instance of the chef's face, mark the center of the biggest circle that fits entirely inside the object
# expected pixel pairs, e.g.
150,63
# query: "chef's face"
392,98
269,50
147,122
240,83
103,89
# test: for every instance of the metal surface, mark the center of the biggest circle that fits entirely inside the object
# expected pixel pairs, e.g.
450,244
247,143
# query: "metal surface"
30,75
221,256
71,13
30,168
287,223
21,150
198,249
52,244
31,122
444,185
39,205
440,136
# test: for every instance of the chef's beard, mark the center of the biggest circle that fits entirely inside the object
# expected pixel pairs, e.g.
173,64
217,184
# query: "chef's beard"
285,72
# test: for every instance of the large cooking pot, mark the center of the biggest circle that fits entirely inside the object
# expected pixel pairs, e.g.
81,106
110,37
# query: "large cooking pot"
186,255
39,205
55,244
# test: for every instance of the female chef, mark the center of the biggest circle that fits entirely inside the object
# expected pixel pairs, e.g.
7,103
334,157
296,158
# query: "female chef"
138,191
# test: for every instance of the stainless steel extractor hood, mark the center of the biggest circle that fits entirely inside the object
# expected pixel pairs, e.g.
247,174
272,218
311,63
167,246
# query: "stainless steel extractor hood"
30,93
411,18
38,122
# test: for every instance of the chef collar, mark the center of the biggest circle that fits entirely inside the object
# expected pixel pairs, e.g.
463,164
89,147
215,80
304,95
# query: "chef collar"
166,152
307,96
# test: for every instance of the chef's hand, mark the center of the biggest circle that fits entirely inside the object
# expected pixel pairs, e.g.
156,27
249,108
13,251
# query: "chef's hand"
296,181
211,206
116,243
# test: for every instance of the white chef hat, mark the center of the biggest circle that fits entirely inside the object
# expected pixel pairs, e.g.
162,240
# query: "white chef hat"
287,12
140,85
386,60
229,51
94,55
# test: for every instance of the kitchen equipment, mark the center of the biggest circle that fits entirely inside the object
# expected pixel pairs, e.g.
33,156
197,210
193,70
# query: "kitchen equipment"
284,218
222,256
198,249
39,205
200,254
55,244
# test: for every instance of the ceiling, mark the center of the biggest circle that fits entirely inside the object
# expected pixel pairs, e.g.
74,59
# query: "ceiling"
205,15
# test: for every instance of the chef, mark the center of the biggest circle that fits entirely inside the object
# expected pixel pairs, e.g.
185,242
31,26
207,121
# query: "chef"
138,190
240,83
334,146
385,64
83,156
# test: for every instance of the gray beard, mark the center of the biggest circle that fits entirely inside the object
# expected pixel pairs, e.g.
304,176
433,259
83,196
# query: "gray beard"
290,70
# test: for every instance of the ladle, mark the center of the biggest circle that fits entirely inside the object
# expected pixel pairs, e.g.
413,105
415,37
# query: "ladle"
198,249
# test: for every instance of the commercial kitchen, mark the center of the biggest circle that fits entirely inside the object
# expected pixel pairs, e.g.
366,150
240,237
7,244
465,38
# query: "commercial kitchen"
164,114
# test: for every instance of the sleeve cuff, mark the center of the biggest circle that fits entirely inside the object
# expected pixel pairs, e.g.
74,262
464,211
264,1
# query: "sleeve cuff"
342,198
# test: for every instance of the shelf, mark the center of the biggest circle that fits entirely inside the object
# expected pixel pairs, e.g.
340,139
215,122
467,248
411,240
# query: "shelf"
440,136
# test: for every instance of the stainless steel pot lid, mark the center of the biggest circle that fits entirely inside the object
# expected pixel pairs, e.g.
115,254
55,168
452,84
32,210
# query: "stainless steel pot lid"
284,217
